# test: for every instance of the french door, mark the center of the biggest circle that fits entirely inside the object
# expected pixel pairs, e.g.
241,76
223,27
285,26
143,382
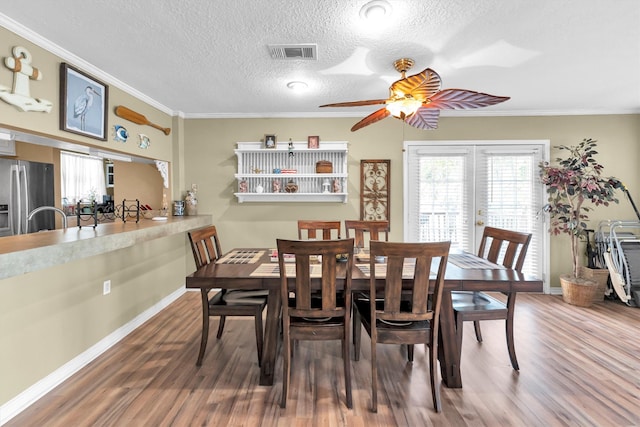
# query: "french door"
454,189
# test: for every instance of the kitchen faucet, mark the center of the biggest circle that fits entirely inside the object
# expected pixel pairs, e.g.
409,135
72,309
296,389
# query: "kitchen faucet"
49,208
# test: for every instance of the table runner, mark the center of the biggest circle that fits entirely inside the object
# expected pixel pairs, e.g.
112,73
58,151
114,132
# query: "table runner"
469,261
238,256
273,270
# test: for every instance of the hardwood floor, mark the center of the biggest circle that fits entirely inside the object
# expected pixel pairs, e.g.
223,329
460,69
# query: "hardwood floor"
579,367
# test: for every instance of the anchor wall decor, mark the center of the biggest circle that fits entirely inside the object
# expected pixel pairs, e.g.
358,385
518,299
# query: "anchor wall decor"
19,96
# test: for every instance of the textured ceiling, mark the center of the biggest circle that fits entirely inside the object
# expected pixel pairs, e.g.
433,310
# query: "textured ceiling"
210,58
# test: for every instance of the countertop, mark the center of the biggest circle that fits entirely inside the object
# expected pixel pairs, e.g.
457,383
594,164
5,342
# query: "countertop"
31,252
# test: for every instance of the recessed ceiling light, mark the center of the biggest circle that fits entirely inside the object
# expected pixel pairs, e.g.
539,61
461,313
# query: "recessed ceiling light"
375,11
297,86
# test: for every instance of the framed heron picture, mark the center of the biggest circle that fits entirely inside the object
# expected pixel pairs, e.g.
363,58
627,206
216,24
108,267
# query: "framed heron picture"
84,102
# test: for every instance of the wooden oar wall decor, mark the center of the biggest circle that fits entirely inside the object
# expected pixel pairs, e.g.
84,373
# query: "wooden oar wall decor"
138,118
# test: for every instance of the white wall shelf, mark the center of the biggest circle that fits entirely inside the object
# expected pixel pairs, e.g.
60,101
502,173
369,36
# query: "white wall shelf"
258,166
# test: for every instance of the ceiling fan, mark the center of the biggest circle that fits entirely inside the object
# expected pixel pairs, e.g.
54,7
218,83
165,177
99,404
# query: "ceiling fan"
417,99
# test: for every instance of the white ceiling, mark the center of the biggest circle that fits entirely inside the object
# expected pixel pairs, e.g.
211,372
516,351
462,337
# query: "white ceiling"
207,58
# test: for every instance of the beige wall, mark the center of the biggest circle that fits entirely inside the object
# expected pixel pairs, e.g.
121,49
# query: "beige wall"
210,162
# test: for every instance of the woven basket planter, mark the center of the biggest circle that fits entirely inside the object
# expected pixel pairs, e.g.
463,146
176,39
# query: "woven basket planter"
598,275
578,291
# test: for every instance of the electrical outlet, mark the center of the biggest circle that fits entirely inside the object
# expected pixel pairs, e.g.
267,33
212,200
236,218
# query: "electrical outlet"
106,287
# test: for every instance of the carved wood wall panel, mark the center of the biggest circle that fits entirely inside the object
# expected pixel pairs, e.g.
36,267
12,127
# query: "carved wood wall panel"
374,189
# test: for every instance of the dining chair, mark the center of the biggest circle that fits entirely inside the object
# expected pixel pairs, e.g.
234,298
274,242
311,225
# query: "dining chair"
206,248
408,313
326,317
318,230
361,229
505,247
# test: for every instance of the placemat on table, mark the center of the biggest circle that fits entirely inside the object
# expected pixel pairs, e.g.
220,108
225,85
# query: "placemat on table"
468,261
238,256
273,270
408,270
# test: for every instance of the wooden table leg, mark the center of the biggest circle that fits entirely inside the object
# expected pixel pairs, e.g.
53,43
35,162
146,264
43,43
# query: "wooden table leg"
271,332
448,352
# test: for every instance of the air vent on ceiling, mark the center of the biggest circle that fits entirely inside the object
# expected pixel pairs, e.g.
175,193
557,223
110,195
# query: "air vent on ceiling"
294,51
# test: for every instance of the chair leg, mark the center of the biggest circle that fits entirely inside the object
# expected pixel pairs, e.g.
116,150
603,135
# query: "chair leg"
476,326
374,374
346,357
511,301
357,334
433,375
286,362
220,326
205,326
259,333
410,352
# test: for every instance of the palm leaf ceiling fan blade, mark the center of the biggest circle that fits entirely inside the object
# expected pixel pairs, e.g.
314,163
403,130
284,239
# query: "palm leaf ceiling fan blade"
378,115
356,103
424,118
419,86
417,99
461,99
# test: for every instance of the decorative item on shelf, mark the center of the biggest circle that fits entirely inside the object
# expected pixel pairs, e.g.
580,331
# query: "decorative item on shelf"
259,189
291,187
178,207
83,103
326,185
291,153
275,186
289,171
165,206
137,118
337,187
256,170
269,141
575,180
324,166
191,201
243,187
129,209
120,134
19,96
277,170
144,142
313,142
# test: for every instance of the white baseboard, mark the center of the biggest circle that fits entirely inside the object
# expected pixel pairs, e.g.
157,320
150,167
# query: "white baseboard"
19,403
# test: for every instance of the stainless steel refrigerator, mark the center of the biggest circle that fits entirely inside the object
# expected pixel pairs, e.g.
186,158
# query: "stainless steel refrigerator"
25,186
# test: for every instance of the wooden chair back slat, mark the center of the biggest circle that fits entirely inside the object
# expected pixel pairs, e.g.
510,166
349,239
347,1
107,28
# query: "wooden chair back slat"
377,230
318,230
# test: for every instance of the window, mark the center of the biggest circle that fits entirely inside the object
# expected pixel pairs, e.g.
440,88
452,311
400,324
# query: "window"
82,178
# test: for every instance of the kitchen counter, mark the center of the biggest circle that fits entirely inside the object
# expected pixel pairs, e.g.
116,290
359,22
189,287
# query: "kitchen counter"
36,251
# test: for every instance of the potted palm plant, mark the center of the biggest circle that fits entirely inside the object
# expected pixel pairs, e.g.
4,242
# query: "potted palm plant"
574,185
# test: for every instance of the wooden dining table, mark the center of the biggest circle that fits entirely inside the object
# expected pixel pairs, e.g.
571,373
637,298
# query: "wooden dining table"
253,268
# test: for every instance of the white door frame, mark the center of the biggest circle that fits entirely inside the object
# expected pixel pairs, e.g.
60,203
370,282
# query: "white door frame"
545,143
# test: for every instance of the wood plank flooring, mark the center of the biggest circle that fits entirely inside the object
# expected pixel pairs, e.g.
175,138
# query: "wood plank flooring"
579,367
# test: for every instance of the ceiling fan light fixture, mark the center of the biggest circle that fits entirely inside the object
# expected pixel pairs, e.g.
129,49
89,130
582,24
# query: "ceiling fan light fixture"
403,108
375,11
297,86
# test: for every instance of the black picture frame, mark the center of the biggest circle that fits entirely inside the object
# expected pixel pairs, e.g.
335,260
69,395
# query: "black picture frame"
83,103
